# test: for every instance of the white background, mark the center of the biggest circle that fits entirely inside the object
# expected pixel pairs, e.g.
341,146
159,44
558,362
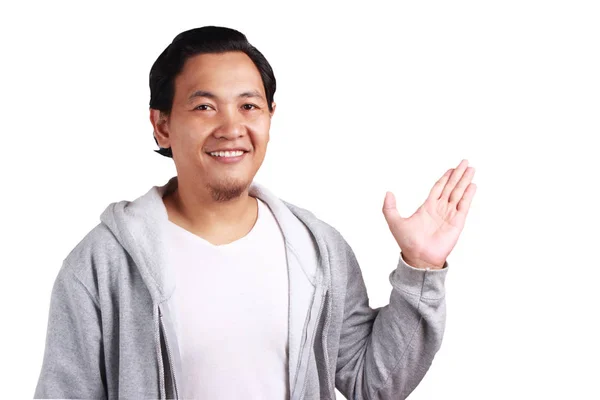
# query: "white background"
370,97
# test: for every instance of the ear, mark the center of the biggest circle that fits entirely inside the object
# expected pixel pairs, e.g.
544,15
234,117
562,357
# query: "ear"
273,105
160,123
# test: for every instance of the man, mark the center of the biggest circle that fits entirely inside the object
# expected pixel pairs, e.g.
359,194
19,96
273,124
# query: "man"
211,287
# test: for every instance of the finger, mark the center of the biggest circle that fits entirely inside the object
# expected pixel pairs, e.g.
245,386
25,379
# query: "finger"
389,201
465,203
436,190
389,206
459,190
453,180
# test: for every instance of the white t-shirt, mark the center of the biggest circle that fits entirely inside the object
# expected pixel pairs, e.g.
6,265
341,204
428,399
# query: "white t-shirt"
232,313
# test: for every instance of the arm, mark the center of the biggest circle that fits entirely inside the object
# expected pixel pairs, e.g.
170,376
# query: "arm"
384,353
73,365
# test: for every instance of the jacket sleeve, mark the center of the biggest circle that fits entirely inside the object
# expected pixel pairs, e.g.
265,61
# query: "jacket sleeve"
384,353
72,366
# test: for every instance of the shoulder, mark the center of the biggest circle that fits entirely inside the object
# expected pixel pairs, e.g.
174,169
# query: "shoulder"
319,228
308,217
97,251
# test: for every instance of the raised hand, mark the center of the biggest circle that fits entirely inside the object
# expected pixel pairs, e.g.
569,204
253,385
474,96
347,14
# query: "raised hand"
428,236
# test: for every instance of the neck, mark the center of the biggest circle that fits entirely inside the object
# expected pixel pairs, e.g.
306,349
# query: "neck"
192,207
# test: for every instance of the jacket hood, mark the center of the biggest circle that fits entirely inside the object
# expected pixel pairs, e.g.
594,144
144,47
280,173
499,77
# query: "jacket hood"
140,227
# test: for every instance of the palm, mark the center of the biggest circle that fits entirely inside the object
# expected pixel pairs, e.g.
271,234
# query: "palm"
428,236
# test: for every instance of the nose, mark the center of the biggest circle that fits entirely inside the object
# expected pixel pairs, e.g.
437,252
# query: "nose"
230,124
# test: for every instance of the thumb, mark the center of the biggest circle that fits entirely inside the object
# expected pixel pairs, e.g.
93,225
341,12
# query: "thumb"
389,208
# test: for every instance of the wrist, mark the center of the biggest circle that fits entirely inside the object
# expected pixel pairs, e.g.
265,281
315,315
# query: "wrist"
417,263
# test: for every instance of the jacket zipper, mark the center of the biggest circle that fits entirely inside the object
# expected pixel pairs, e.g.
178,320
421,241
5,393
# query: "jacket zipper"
324,343
312,342
299,363
169,356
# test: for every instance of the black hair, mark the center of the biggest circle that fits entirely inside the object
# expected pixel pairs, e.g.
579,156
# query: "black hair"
204,40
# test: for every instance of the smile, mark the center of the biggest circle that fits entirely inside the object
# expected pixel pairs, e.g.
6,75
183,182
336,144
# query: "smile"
227,153
228,157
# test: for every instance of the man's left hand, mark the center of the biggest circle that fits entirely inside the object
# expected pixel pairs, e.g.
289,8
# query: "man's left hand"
428,236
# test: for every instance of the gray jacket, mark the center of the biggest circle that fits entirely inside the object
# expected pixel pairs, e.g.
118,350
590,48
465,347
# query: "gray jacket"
112,326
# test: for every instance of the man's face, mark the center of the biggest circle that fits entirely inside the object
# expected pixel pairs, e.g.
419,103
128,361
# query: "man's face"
219,104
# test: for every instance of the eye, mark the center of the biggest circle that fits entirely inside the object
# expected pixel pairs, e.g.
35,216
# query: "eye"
249,107
202,107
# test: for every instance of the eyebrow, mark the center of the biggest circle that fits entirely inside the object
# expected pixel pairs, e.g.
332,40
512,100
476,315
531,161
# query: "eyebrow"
210,95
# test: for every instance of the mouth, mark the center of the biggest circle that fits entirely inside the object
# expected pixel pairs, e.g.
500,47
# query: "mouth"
228,157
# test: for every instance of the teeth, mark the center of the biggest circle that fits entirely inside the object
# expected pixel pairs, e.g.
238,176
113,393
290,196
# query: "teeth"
227,153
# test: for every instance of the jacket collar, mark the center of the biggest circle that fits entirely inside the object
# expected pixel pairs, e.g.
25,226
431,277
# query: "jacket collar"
139,226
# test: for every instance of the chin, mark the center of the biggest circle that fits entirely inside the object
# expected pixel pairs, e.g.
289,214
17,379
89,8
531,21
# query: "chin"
225,190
